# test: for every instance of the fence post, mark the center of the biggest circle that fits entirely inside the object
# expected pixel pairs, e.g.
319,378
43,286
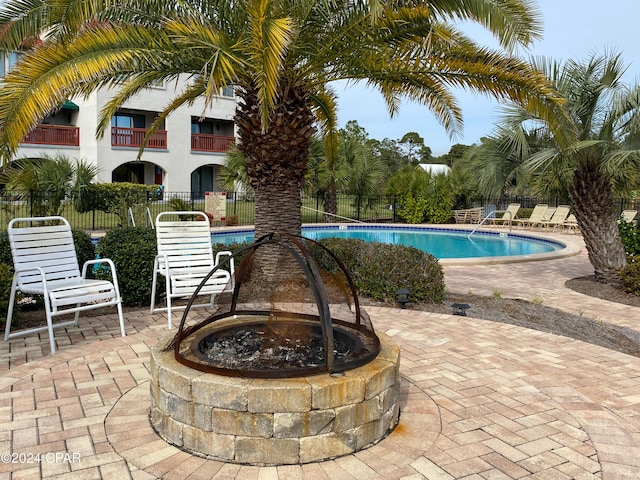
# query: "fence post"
317,205
395,218
93,210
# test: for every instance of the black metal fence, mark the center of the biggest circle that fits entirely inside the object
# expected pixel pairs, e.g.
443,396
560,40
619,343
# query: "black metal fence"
240,210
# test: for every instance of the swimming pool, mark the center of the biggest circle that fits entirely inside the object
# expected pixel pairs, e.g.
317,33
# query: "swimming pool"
443,243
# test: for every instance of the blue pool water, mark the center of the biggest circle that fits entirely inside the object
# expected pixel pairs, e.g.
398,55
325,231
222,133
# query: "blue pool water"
441,243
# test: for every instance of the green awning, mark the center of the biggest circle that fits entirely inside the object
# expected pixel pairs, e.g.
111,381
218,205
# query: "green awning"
69,105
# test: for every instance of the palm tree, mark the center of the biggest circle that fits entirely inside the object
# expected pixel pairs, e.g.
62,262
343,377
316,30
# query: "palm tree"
48,182
606,114
281,56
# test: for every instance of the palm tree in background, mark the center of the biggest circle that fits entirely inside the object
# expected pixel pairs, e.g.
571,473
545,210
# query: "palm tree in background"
47,183
280,55
606,114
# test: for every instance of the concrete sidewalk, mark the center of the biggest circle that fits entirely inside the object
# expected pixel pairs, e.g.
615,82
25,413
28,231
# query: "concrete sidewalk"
480,400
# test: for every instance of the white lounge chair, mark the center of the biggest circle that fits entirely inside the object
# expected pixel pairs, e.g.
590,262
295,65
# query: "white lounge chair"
45,263
571,224
509,215
185,258
558,218
537,216
629,215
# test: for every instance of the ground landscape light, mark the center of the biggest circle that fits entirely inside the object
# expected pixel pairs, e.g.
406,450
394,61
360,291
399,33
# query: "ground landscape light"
402,296
460,309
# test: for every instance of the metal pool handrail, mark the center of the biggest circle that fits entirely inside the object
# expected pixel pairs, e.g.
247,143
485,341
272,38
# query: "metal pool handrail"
488,216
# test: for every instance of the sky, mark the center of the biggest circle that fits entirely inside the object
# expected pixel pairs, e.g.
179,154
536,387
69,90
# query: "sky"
573,29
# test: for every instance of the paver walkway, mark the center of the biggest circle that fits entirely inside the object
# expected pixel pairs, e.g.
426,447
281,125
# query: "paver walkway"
480,400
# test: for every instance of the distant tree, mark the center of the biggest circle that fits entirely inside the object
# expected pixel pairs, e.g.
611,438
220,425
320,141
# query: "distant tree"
355,170
497,172
390,153
414,148
421,195
456,152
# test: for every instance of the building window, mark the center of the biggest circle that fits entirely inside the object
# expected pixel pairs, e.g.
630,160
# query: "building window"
227,91
128,120
8,61
13,59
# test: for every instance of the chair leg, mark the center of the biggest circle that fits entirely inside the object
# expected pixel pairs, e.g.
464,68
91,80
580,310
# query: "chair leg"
12,301
47,309
153,286
168,290
121,317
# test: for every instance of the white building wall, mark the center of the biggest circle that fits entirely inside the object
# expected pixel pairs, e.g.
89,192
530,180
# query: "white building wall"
177,161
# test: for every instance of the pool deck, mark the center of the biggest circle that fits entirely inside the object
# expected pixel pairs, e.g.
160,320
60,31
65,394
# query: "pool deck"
480,400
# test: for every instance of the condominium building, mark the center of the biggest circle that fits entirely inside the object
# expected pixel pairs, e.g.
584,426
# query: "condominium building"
184,155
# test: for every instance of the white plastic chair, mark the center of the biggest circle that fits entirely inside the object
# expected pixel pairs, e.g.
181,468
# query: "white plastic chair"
185,257
45,263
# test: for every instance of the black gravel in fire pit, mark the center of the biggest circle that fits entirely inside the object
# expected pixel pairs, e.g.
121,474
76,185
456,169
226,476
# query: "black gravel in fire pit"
261,347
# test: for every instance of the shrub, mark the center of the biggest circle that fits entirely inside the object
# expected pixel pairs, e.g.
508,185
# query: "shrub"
132,250
379,270
85,249
117,198
5,249
630,276
630,237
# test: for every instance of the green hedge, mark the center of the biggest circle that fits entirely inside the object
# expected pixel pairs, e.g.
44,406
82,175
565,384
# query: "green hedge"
379,270
630,276
132,250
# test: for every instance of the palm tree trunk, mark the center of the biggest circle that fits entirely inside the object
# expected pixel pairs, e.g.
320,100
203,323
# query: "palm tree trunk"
276,162
330,202
592,198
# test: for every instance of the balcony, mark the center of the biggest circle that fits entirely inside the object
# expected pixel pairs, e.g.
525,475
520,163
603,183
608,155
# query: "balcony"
203,142
132,137
54,135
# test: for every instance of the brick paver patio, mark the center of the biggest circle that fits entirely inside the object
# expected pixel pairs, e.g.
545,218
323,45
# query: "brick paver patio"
481,400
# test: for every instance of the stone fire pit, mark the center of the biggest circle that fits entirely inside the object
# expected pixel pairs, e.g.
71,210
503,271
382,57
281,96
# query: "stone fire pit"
287,369
274,421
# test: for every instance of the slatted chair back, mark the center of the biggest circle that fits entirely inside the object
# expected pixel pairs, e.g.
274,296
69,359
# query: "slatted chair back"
185,258
186,244
629,215
558,218
536,217
48,247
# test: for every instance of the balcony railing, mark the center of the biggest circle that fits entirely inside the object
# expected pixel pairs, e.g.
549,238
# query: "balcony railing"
202,142
54,135
132,137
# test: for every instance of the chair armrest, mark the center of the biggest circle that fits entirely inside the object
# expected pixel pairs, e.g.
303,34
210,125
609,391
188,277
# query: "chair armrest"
223,253
112,267
40,271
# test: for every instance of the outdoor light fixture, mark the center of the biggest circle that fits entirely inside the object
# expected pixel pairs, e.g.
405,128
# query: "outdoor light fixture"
402,296
460,309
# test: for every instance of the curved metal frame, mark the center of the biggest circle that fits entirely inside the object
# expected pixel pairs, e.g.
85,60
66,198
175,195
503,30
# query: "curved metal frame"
312,273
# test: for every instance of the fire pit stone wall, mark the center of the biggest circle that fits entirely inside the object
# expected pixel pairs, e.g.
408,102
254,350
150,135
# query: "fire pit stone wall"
274,421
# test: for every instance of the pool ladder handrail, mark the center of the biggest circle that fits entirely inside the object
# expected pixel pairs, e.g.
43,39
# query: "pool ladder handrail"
489,216
333,215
